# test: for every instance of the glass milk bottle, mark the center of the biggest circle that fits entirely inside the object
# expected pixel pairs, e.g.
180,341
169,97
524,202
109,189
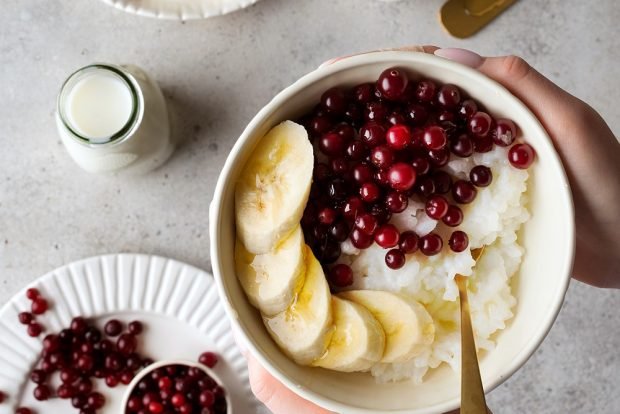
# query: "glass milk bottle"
114,118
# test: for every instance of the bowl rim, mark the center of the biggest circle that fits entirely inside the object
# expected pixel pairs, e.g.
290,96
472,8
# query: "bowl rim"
390,58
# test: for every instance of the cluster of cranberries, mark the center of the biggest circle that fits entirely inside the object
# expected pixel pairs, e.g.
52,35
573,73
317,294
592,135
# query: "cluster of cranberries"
378,145
38,306
179,389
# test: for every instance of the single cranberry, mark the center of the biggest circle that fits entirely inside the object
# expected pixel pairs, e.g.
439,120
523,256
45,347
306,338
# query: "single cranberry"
439,157
34,329
155,407
463,192
468,108
39,306
327,216
521,156
113,327
114,362
369,192
126,377
148,398
65,391
480,124
402,176
339,231
92,335
398,137
483,144
437,207
447,117
453,217
334,100
462,146
84,386
396,118
431,244
382,156
208,358
332,144
366,223
392,83
23,410
341,275
2,397
376,111
51,343
448,96
33,293
396,202
408,242
372,134
425,92
435,138
353,207
458,241
41,393
339,165
382,178
360,240
417,114
481,176
426,186
126,344
111,380
177,400
363,93
85,363
96,400
38,376
206,398
356,150
329,251
337,189
319,125
105,346
505,132
346,131
421,165
442,182
25,318
395,259
135,327
387,236
362,172
134,404
78,325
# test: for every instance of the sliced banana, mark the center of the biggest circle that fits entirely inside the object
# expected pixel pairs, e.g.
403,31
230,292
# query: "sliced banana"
408,326
273,188
303,331
272,280
358,342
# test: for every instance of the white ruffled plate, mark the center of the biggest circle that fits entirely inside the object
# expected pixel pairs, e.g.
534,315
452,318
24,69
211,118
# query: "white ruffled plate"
178,304
180,9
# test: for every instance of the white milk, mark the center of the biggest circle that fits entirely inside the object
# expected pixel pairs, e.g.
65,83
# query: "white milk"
114,118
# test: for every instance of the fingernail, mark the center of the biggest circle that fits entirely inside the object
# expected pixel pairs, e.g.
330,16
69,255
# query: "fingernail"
464,56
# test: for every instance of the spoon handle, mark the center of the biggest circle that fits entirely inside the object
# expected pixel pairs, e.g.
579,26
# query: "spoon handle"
472,393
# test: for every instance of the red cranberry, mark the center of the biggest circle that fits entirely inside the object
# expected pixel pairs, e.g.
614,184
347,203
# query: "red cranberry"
96,400
114,362
462,146
39,306
396,118
426,186
453,217
356,150
113,327
387,236
334,100
38,376
382,156
148,398
23,410
25,318
2,397
481,176
480,124
156,407
431,244
126,344
442,181
468,108
362,172
341,275
32,293
327,216
448,96
353,207
439,157
402,176
417,114
134,404
360,240
177,400
51,343
65,391
206,398
339,231
363,93
208,358
437,207
521,156
369,192
421,165
505,132
458,241
332,144
126,377
376,111
111,380
34,329
78,325
463,192
372,134
41,393
85,363
398,137
483,144
382,177
396,202
395,259
382,214
425,92
366,223
319,125
408,242
92,335
392,83
84,386
435,138
337,189
339,166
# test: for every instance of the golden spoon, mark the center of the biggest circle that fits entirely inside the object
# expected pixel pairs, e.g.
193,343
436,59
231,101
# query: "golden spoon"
472,393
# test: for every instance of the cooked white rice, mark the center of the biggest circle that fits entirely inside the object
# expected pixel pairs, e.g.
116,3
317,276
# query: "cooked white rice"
492,219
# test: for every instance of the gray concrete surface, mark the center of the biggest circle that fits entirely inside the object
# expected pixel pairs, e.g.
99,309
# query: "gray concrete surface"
217,74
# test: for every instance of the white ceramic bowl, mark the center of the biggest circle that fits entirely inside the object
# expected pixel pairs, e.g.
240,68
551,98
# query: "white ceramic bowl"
539,286
146,371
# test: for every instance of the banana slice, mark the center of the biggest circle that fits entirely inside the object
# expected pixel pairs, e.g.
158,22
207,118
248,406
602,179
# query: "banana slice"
272,280
273,188
303,331
358,341
408,326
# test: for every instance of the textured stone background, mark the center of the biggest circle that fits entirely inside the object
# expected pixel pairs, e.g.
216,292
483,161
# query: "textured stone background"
217,74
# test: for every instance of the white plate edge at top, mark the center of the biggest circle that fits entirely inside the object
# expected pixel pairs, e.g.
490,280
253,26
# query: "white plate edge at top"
180,9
